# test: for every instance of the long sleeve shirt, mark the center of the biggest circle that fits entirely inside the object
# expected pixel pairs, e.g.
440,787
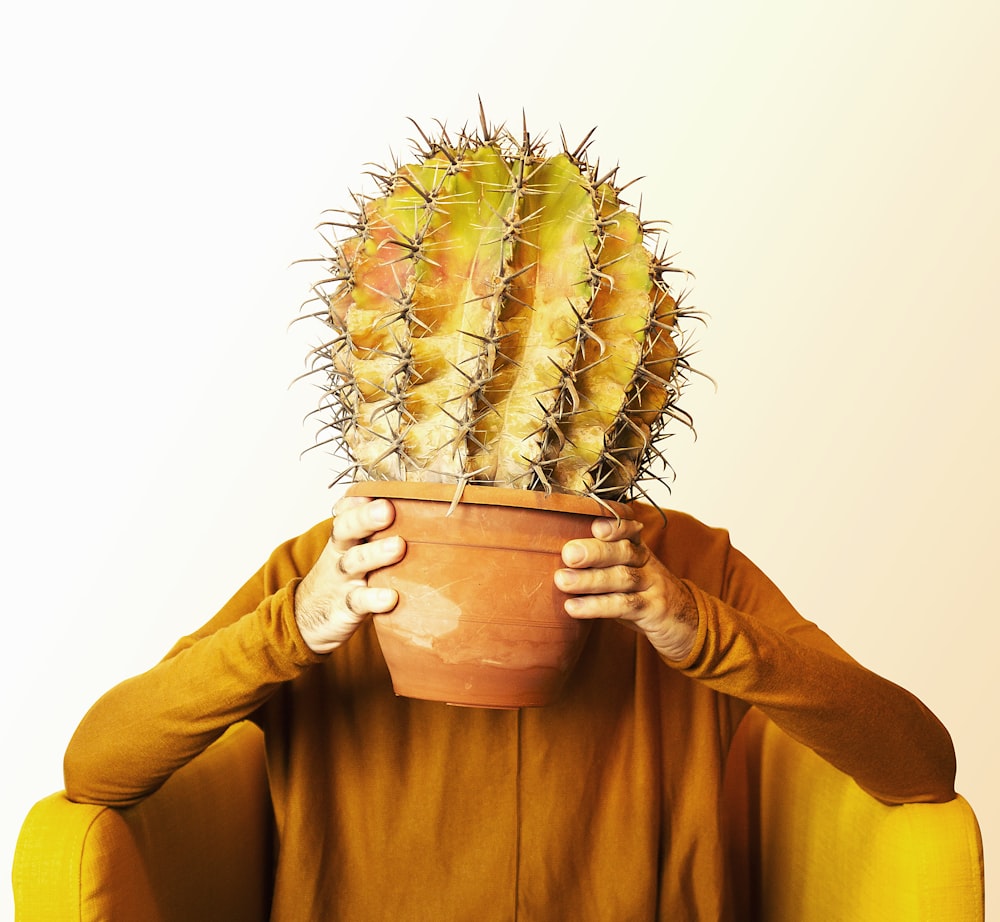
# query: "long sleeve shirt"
602,806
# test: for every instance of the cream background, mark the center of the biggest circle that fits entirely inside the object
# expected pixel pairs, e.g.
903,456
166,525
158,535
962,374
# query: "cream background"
830,172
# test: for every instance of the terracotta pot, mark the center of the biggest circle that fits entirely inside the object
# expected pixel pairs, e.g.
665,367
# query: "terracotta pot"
479,620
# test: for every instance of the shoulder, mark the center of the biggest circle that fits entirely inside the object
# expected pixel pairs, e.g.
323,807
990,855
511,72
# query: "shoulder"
678,533
291,559
689,547
296,556
310,543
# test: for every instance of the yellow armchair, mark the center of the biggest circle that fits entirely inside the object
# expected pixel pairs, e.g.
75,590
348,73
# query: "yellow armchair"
198,848
805,844
808,845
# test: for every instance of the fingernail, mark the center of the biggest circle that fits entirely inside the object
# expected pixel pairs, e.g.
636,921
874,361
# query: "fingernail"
382,512
602,528
565,578
573,554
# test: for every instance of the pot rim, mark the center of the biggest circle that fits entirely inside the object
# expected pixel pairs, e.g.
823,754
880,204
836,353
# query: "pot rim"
483,495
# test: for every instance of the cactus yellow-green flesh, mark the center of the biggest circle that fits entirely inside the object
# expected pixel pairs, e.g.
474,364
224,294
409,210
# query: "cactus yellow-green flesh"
609,357
455,302
549,294
652,393
382,276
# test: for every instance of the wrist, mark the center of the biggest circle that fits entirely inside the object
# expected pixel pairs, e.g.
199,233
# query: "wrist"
310,620
675,637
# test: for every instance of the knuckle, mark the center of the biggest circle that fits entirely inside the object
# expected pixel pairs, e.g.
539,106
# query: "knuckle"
346,503
639,554
342,530
633,602
633,577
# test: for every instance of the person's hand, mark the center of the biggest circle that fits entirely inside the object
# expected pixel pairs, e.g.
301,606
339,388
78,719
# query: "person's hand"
614,575
334,598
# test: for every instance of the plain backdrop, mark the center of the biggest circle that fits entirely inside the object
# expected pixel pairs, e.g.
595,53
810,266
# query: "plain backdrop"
830,174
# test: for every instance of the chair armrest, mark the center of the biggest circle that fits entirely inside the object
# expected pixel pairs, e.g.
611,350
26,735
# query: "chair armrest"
198,848
829,851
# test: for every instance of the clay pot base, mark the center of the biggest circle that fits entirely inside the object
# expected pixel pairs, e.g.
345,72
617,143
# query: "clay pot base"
480,622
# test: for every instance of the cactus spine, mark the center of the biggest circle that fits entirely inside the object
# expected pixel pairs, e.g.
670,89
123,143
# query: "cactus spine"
500,317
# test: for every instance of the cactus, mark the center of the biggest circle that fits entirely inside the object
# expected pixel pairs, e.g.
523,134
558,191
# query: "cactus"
500,317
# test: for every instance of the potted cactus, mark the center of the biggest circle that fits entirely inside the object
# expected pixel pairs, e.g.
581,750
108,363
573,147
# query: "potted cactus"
503,339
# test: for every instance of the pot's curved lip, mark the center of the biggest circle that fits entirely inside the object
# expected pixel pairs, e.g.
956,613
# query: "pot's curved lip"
480,495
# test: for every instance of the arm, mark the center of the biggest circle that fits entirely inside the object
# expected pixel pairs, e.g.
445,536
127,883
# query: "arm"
277,626
749,643
142,730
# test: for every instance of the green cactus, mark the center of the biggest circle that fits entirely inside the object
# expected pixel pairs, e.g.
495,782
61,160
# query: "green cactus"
501,317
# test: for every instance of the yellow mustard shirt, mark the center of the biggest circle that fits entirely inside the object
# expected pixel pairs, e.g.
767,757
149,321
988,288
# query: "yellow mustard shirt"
602,807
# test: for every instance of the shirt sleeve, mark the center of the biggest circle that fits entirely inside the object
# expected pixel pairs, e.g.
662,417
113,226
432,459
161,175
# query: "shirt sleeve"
754,646
141,731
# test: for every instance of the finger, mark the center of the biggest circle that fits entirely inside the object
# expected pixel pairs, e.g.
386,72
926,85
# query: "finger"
357,521
627,606
596,552
616,529
346,502
602,580
364,600
360,559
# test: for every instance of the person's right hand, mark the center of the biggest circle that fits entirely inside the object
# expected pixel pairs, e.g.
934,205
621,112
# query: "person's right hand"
334,598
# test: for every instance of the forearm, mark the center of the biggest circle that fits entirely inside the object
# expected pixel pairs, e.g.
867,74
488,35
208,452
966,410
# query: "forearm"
144,729
866,726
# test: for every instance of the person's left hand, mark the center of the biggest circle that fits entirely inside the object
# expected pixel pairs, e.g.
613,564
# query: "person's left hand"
614,575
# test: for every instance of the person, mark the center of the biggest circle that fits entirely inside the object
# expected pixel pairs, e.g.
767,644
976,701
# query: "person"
601,806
